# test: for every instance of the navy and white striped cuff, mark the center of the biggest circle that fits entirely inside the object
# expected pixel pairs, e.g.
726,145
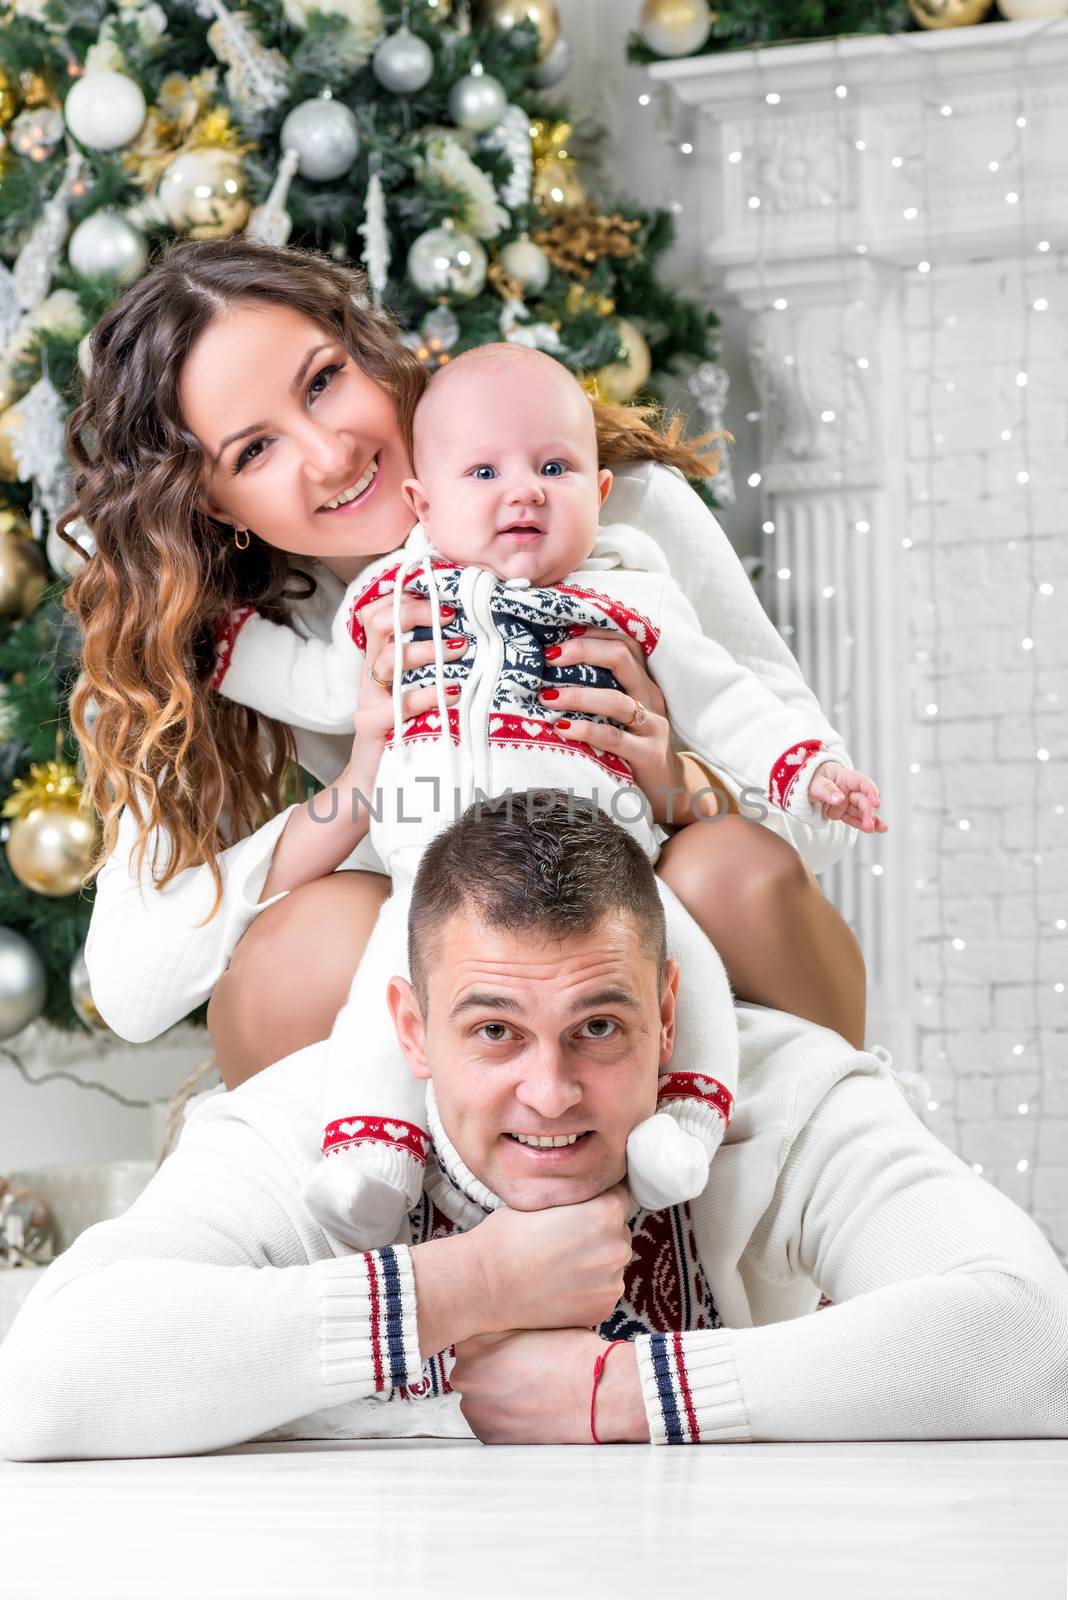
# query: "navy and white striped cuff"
369,1329
690,1387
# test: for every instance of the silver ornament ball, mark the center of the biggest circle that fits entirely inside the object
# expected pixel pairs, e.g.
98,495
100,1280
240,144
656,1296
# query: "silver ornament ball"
442,326
554,67
527,261
105,110
324,135
81,995
23,985
403,63
477,102
447,260
105,245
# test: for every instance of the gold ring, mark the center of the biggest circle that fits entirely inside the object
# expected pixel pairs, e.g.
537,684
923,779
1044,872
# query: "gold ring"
376,679
640,715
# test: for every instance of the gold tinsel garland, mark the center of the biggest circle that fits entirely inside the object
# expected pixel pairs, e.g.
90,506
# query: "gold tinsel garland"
577,239
184,118
49,783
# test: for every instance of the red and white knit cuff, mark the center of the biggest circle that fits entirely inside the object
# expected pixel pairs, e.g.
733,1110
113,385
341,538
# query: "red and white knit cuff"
369,1334
699,1104
226,636
691,1389
791,776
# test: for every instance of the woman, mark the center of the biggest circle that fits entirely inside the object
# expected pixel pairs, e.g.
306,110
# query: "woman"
236,392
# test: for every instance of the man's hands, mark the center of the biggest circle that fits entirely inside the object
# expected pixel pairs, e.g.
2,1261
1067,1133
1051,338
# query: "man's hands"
845,795
534,1388
558,1268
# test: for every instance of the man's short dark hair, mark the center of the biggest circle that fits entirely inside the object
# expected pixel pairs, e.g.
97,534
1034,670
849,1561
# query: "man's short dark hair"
541,859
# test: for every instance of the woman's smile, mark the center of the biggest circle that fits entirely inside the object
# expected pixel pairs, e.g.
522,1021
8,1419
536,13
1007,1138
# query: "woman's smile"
357,494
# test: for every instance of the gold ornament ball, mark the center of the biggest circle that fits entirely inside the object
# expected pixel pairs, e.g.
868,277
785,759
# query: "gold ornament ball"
202,193
51,849
9,104
948,13
23,575
510,13
557,185
674,27
621,380
9,421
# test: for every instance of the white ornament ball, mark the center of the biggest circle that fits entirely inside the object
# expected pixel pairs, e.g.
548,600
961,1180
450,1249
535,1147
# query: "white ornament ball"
554,67
447,260
105,245
674,27
477,102
403,63
324,135
61,558
85,354
527,261
105,110
23,984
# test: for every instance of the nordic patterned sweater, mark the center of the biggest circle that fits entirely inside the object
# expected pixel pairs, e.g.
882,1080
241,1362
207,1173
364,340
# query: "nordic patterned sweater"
499,736
216,1311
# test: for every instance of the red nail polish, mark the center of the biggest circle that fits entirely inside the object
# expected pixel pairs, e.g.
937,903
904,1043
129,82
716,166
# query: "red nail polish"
453,689
562,722
550,694
573,633
448,611
551,655
457,644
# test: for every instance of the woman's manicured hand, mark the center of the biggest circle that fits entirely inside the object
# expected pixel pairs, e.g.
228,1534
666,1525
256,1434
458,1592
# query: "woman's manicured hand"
647,748
534,1388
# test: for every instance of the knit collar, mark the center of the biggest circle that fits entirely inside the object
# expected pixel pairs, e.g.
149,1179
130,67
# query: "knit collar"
450,1182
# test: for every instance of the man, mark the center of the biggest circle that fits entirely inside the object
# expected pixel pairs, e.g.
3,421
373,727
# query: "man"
541,1004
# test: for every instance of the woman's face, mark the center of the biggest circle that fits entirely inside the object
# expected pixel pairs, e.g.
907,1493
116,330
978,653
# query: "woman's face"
289,423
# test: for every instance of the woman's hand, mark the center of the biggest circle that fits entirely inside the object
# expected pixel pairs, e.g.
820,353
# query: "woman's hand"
373,721
535,1388
646,747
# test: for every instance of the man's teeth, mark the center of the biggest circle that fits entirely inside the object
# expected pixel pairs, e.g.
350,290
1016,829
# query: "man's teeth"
357,489
546,1142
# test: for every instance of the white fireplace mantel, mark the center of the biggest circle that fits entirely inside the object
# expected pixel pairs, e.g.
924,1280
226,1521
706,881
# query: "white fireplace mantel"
851,196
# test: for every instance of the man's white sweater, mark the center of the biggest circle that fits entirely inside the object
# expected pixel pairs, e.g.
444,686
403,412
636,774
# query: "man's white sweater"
216,1311
151,953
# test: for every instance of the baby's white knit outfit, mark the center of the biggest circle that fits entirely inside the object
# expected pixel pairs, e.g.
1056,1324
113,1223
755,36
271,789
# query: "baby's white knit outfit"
501,739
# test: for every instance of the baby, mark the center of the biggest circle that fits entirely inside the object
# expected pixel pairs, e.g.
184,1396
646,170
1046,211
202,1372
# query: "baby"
507,494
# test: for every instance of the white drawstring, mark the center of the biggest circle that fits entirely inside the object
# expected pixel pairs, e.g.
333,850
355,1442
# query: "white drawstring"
430,578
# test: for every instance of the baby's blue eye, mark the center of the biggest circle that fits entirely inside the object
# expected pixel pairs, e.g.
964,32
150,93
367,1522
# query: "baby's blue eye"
554,469
484,474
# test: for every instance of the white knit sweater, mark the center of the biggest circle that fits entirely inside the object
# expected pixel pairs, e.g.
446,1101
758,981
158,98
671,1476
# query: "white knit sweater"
215,1310
150,962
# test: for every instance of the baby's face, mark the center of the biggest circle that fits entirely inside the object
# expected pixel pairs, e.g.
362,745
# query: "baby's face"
508,476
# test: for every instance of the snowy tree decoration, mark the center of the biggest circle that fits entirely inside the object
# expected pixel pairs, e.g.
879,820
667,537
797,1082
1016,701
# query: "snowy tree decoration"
709,386
271,222
10,309
445,159
37,445
375,234
512,135
36,261
258,79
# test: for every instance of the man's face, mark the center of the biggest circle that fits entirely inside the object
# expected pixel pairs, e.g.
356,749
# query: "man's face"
537,1036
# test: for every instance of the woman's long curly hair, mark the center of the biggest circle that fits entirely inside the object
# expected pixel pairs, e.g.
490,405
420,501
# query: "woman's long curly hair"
154,735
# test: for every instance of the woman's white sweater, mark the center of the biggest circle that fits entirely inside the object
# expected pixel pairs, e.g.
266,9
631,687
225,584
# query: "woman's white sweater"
216,1310
150,963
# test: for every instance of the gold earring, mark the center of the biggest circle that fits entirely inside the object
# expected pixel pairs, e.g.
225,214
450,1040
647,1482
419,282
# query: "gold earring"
237,538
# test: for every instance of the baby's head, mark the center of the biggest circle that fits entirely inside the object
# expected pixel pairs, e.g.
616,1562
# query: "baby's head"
505,452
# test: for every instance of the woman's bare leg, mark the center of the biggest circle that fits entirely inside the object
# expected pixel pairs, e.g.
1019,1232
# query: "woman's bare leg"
781,940
291,972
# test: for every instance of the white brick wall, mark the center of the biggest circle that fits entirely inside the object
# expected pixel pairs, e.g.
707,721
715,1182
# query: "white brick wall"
978,536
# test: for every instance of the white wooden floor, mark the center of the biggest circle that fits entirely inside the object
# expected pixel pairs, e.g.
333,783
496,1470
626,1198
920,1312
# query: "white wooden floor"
441,1520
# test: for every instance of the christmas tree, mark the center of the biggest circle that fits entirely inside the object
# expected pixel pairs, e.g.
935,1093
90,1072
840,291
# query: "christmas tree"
425,140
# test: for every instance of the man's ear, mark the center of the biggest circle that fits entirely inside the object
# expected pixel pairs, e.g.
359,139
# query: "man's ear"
414,494
668,997
604,484
408,1025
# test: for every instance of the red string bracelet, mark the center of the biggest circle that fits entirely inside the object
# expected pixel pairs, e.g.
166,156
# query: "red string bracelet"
598,1368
